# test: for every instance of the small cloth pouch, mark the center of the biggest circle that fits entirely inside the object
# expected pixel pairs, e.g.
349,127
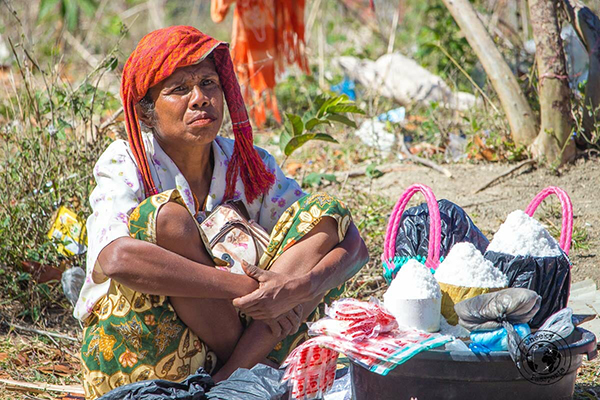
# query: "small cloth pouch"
232,236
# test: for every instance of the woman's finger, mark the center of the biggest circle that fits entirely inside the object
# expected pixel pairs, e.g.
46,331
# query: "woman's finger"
295,319
299,310
274,326
247,301
286,326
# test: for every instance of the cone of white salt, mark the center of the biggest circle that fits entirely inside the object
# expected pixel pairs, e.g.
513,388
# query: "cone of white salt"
414,298
465,266
522,235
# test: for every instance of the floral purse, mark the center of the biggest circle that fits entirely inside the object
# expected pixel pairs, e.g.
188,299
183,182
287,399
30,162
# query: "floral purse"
232,236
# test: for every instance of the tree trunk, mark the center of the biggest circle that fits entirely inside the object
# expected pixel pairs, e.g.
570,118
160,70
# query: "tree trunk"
553,144
587,26
520,117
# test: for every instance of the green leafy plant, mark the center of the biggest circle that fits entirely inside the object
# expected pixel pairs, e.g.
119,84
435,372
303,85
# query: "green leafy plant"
300,130
315,179
441,31
70,10
47,154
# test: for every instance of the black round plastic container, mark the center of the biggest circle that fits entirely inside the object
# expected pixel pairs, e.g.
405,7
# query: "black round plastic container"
440,374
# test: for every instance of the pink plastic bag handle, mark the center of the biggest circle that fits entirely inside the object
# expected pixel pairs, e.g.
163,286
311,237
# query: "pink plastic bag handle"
567,213
435,226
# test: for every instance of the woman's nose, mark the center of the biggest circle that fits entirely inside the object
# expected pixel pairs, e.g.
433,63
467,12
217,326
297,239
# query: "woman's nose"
198,98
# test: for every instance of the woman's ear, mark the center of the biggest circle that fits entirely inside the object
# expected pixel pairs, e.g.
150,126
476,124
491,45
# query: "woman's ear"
143,116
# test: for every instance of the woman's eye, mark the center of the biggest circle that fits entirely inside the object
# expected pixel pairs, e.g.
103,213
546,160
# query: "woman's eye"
207,82
179,89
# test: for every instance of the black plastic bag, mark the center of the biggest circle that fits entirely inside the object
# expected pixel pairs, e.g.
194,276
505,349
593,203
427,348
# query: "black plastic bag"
194,387
486,312
550,277
259,383
412,239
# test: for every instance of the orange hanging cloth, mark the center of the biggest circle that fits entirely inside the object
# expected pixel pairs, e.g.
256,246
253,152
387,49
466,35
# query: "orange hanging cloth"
267,35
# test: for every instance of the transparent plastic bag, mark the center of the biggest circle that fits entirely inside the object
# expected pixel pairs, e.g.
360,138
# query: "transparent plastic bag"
560,323
342,386
457,345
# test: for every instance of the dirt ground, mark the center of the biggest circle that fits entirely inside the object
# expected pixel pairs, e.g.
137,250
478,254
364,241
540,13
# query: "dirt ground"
489,208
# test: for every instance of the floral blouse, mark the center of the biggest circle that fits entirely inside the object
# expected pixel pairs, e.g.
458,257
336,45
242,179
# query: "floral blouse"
120,189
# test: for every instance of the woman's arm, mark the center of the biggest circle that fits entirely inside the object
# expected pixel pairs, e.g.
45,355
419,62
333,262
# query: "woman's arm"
148,268
280,289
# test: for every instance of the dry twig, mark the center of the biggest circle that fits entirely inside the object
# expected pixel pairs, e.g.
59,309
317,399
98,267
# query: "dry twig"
423,161
41,387
41,332
502,175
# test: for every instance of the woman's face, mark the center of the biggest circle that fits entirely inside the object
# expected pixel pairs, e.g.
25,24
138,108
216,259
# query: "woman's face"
188,106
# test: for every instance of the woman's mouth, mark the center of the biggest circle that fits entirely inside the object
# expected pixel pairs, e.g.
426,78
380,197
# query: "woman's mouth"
202,120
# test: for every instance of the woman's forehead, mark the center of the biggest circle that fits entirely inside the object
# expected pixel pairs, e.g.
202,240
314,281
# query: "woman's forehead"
203,68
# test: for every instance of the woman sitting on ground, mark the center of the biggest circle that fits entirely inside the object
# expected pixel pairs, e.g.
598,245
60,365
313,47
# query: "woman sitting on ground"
153,304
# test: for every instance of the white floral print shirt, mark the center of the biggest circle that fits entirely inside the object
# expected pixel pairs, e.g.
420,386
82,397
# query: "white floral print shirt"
120,189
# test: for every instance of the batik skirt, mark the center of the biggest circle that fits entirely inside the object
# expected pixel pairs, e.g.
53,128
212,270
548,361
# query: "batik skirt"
133,336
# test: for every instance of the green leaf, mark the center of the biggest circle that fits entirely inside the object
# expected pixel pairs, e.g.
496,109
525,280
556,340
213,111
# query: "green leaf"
46,6
322,98
315,179
111,63
71,14
344,108
284,139
88,6
372,172
298,141
311,123
331,102
342,119
296,123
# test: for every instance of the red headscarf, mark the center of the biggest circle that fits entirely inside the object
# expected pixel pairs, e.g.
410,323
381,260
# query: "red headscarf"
155,58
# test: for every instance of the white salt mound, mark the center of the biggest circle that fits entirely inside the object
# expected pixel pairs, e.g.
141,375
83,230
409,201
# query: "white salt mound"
465,266
522,235
413,282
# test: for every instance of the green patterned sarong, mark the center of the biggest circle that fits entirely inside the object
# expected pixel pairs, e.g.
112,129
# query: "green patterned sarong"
133,336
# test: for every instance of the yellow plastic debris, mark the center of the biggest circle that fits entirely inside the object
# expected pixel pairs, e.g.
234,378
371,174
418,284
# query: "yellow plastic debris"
69,230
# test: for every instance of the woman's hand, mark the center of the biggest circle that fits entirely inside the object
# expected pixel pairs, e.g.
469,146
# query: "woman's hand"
287,324
276,295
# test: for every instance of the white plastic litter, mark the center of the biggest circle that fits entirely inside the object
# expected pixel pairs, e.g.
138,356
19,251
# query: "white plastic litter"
413,282
72,281
402,79
465,266
522,235
373,133
457,331
457,345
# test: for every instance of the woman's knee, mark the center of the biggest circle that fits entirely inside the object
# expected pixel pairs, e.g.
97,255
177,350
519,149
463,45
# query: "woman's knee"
328,206
175,223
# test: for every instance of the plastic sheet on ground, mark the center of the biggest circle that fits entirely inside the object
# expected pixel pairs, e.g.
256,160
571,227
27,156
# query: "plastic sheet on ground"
259,383
194,387
414,85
